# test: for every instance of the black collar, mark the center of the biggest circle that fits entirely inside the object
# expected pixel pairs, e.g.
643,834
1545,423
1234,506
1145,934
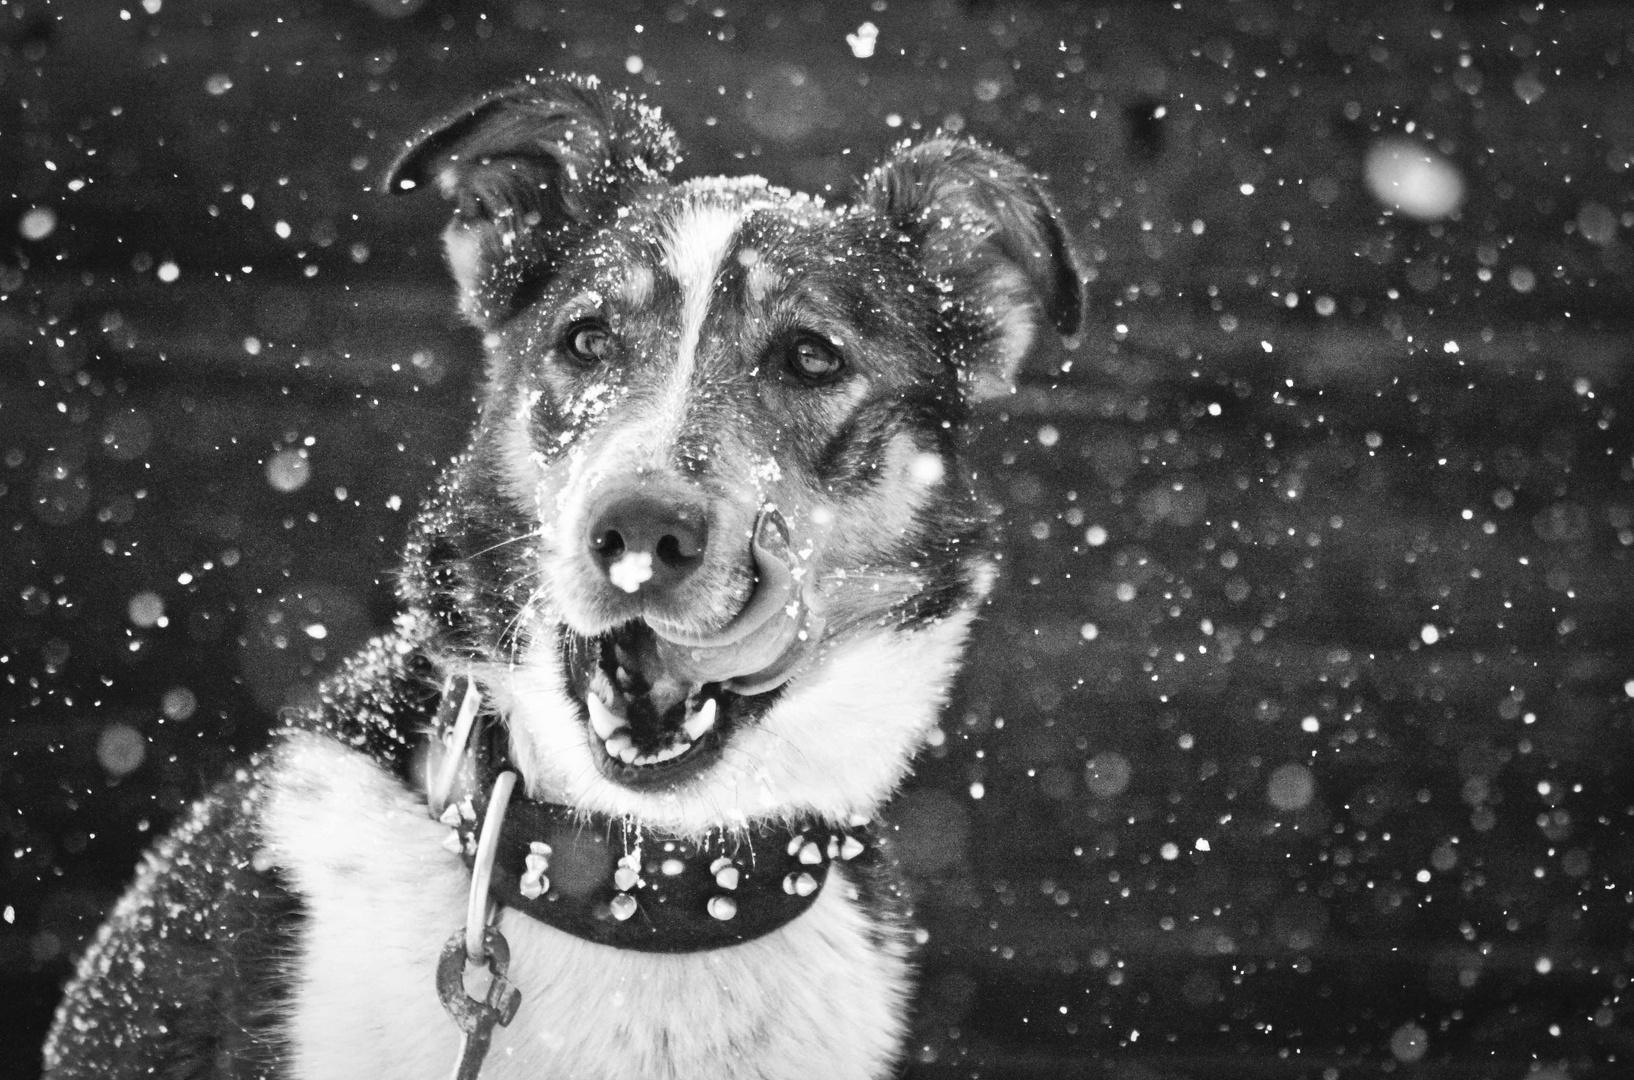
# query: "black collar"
617,882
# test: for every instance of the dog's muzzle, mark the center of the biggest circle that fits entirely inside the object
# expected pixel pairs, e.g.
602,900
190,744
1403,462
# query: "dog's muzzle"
764,643
661,696
651,542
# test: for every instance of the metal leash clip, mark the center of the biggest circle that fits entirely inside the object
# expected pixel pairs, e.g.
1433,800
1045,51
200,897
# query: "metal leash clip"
476,1018
479,942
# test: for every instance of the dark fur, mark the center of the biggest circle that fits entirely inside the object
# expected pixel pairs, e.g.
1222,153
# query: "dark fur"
189,974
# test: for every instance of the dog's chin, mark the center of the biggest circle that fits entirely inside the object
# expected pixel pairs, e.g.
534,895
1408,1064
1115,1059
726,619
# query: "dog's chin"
831,742
650,724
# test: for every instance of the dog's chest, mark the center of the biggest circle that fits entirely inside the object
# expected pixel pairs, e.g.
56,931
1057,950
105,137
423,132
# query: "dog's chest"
815,998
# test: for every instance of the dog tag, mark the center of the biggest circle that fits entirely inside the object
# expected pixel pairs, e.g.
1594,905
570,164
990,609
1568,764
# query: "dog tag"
476,1019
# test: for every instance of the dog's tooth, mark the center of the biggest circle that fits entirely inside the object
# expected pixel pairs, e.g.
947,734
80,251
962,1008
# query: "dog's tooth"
603,720
623,906
625,878
672,751
727,877
700,721
805,885
722,907
617,743
851,848
628,754
811,854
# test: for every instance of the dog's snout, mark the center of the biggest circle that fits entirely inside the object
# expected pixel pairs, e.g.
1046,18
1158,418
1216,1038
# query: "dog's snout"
648,540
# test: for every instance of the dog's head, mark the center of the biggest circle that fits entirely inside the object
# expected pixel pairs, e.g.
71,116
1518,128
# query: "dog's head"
713,549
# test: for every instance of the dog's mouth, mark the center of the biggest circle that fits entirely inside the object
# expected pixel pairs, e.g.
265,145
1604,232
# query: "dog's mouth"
660,704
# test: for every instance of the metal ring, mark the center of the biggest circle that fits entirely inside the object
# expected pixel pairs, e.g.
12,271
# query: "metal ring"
441,787
482,869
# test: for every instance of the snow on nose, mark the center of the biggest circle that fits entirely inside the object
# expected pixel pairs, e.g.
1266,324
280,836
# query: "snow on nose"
642,537
631,570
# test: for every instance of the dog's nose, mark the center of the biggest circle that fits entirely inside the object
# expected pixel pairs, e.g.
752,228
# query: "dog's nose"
647,540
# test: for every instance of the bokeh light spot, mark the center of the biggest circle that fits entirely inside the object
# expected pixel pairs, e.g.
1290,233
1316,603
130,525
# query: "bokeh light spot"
146,609
1107,774
179,703
1409,1043
1291,787
289,470
121,749
37,223
1414,180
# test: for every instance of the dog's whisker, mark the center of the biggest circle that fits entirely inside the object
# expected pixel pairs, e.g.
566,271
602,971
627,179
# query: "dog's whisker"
519,538
523,611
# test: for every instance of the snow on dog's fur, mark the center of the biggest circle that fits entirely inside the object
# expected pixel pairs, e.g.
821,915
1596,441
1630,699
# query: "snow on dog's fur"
711,558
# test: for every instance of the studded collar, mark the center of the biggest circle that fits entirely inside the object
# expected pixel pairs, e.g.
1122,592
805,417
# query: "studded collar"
618,882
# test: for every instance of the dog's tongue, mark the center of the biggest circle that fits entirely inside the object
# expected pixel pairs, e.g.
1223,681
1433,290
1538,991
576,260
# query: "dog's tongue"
758,649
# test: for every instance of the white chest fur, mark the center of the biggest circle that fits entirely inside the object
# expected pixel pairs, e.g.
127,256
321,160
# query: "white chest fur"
813,999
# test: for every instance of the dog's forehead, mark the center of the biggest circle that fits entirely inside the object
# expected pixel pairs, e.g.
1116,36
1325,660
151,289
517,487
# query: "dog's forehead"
678,243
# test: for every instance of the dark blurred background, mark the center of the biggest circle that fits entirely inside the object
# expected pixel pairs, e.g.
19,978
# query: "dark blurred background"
1296,741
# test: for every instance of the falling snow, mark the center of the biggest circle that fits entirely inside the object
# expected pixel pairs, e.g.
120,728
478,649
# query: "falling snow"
1296,735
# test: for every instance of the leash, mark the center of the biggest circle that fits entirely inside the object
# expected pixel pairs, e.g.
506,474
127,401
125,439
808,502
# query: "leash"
479,943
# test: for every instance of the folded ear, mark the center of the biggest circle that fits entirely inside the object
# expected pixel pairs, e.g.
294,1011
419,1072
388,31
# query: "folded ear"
987,235
527,168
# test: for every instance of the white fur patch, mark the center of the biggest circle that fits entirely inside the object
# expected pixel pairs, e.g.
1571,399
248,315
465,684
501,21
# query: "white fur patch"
816,998
636,289
762,280
838,742
1008,301
463,248
693,253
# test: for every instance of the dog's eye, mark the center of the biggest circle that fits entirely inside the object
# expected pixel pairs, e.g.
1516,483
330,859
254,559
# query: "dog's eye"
587,341
814,359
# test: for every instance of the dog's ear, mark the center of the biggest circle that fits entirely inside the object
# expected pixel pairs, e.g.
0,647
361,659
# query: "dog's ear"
527,168
987,235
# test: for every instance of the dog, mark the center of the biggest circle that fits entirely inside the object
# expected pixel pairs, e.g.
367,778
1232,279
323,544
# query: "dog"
673,628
